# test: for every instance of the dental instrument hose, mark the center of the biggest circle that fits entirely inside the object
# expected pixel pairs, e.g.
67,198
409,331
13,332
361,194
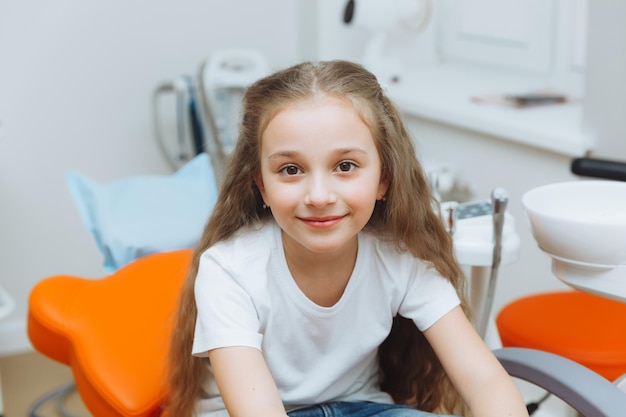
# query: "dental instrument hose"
534,406
217,153
194,117
182,156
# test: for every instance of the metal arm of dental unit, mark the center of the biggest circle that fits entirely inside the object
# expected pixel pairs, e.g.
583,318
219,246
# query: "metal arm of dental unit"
584,390
484,238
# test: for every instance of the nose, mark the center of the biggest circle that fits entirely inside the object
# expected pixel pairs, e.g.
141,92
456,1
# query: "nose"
319,192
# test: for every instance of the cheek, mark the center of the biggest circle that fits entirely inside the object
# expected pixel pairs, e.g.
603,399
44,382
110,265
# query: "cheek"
279,194
364,195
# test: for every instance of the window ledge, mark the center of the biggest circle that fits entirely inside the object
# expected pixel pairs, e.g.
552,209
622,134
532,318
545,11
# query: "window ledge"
443,94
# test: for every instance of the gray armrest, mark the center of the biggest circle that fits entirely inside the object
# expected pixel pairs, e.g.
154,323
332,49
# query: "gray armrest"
584,390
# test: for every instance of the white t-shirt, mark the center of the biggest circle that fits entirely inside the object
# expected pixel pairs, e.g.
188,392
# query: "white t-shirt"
247,297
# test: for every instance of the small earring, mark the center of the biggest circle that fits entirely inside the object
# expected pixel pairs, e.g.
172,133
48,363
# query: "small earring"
265,206
384,198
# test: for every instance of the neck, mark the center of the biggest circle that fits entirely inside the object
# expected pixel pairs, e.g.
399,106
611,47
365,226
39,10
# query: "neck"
322,277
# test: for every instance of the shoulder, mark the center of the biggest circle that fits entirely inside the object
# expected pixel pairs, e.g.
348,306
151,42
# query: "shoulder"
388,252
246,247
399,265
245,239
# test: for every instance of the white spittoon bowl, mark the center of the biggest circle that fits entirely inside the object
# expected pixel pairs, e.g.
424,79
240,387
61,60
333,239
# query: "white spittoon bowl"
581,222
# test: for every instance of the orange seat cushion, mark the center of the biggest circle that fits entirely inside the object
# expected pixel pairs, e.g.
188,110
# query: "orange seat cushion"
585,328
113,332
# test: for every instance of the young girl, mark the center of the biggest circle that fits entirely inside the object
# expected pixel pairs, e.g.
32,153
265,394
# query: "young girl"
323,236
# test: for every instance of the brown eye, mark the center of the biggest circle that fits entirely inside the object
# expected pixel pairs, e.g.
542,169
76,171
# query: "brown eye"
290,170
346,166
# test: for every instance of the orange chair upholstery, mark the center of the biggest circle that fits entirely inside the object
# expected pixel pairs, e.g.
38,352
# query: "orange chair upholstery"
113,332
582,327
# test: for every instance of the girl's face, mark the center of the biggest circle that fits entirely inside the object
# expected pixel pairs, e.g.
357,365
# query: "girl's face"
320,174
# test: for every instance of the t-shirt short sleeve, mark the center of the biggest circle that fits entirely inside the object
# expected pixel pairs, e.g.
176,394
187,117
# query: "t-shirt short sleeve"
428,298
226,313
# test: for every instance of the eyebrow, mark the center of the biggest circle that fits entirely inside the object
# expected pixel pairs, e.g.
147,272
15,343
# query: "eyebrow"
291,154
282,154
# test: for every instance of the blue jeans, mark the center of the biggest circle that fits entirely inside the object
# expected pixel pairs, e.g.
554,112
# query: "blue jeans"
358,409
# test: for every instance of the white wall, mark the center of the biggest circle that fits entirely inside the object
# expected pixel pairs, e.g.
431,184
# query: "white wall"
76,79
605,100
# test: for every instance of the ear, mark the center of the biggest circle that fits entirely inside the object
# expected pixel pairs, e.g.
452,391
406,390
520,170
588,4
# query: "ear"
383,186
258,180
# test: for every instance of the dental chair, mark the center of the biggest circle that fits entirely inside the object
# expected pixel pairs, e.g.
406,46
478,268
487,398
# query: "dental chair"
586,328
112,332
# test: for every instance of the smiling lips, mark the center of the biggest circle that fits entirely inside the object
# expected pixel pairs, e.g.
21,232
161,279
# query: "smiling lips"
321,222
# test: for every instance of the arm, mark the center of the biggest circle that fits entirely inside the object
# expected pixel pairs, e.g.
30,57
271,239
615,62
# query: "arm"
473,369
245,382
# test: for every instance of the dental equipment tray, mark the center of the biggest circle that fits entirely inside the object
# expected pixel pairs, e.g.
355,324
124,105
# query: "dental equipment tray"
473,209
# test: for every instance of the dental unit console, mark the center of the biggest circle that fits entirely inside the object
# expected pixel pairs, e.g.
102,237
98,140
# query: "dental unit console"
484,238
472,227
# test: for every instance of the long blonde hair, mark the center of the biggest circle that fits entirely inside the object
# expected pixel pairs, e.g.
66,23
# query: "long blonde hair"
409,369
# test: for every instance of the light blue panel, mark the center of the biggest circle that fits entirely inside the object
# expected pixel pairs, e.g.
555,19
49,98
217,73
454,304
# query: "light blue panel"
133,217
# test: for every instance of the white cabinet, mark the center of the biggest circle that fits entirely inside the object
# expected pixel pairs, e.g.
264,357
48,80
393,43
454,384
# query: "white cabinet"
509,33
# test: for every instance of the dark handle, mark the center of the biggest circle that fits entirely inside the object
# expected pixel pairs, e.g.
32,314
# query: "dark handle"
348,13
599,168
